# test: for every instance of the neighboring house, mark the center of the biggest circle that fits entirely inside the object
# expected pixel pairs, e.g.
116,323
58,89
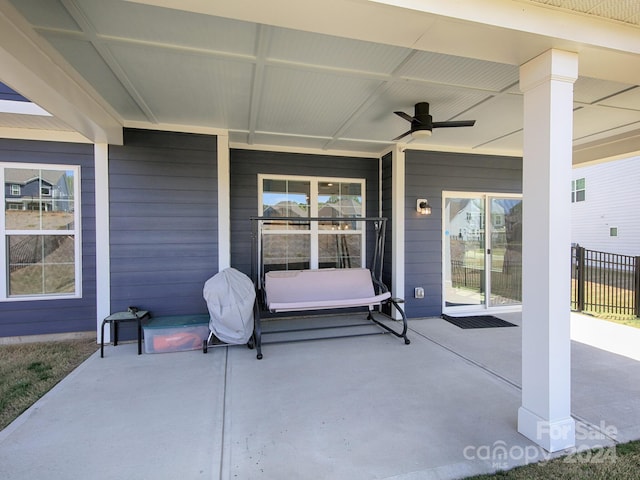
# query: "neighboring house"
604,214
47,190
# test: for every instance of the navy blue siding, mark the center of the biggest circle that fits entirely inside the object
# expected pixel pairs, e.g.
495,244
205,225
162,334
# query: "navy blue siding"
7,93
244,170
66,315
427,175
163,221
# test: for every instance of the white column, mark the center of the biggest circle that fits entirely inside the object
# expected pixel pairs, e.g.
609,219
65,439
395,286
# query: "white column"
224,207
103,252
545,414
397,225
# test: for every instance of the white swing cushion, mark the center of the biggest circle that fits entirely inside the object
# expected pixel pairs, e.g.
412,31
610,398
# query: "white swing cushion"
325,288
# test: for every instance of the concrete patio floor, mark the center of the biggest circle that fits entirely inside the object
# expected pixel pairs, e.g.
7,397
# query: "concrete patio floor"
354,408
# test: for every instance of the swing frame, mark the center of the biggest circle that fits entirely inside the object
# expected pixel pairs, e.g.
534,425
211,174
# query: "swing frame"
321,295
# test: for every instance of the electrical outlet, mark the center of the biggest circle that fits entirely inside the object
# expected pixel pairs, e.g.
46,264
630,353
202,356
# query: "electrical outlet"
419,292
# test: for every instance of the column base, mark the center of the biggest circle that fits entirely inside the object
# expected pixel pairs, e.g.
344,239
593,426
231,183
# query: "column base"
553,436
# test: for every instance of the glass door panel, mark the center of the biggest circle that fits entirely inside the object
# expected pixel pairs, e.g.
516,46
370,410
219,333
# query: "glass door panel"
464,251
506,251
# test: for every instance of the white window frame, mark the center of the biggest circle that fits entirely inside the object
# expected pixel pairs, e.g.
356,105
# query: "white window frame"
15,190
314,231
76,232
575,190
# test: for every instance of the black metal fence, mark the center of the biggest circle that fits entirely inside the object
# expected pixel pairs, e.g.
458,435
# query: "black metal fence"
604,282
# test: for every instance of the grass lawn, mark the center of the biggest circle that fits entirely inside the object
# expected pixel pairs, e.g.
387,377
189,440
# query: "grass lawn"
629,320
621,462
28,371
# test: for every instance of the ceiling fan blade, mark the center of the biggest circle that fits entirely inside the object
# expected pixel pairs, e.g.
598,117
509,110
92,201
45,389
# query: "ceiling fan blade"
455,123
403,135
407,117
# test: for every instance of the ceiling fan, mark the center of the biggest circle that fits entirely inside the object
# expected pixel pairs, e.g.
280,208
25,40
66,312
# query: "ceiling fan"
422,123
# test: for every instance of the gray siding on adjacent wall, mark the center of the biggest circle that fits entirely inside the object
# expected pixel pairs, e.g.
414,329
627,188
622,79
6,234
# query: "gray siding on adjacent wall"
247,164
62,315
163,221
427,175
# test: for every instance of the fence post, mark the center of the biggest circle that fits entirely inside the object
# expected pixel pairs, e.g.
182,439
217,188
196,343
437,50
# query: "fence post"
580,277
637,287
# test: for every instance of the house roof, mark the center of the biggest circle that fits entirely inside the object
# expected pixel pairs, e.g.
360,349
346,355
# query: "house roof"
22,176
319,76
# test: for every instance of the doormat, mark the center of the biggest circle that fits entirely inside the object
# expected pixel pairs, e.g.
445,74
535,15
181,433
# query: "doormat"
479,321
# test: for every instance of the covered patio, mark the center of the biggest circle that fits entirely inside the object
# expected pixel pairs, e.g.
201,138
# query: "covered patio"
176,114
358,408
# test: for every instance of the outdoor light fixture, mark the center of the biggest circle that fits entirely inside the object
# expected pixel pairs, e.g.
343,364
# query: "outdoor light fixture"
423,207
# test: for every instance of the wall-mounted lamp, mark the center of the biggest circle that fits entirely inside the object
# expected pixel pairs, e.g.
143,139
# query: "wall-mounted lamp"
423,207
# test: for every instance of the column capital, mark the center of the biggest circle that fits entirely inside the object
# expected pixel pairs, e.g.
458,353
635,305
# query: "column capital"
554,64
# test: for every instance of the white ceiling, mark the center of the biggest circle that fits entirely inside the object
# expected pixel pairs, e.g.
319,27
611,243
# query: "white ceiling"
302,81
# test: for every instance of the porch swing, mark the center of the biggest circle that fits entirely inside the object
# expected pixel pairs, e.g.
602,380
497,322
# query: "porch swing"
323,288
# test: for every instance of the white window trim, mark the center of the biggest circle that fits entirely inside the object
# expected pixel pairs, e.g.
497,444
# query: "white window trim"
313,205
575,190
76,232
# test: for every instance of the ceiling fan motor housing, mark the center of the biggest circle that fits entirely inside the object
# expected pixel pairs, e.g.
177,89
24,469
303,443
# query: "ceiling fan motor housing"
422,119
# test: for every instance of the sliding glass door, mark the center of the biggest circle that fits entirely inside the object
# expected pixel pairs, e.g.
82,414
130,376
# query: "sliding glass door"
482,240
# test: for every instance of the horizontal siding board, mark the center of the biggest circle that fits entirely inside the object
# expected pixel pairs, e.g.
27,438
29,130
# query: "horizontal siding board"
163,209
427,175
133,196
164,221
155,186
170,239
59,315
140,250
181,224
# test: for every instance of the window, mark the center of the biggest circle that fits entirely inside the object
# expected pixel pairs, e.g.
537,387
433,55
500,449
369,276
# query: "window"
15,190
291,245
613,231
40,252
578,190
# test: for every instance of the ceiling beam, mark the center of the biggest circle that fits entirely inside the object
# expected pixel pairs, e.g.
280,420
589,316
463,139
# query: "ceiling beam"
29,66
90,34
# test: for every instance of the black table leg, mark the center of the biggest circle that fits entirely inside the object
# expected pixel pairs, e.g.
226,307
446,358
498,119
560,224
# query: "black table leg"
102,339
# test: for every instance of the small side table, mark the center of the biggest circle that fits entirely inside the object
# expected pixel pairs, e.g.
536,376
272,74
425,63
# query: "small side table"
114,319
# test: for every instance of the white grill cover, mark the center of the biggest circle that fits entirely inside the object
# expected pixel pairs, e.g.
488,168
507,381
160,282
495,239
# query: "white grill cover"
230,296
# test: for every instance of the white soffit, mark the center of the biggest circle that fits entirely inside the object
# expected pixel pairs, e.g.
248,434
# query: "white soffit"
298,75
22,108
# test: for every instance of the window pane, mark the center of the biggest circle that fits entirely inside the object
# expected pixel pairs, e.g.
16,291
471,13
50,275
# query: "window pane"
580,184
580,196
286,252
59,278
39,199
340,200
286,198
340,251
41,264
